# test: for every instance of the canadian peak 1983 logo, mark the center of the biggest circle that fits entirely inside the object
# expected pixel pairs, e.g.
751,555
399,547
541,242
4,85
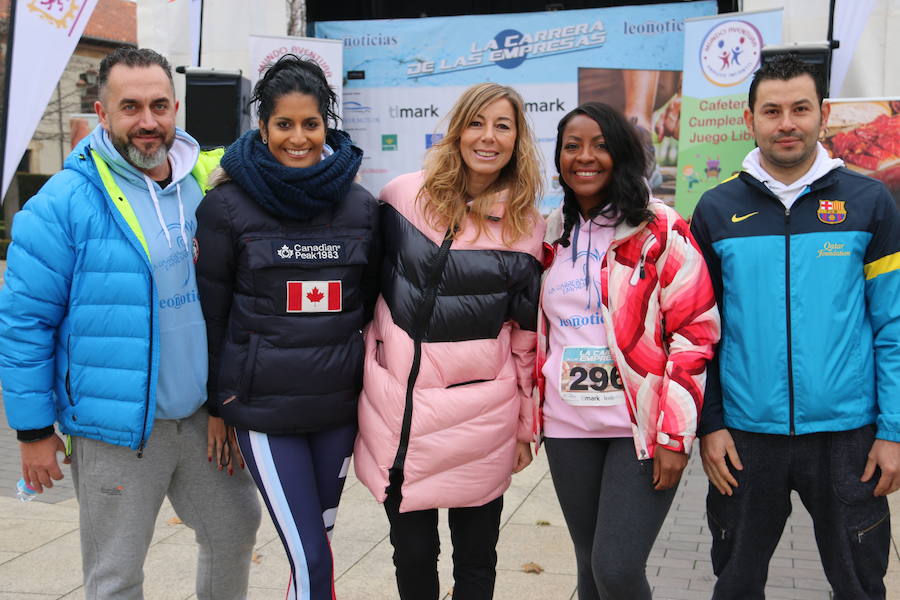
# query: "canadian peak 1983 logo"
60,13
730,52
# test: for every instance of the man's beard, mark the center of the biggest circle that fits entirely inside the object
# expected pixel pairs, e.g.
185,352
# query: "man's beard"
142,160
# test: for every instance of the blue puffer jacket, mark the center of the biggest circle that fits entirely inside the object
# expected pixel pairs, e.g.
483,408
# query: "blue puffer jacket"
78,333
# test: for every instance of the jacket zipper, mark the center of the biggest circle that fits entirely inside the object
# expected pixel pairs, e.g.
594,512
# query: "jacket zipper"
140,451
141,444
426,308
787,312
639,272
787,277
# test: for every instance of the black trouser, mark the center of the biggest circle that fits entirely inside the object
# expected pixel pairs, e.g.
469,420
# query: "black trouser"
852,526
612,512
414,535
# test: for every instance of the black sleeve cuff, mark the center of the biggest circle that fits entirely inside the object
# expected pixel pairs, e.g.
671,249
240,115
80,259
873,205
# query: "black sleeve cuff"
212,409
34,435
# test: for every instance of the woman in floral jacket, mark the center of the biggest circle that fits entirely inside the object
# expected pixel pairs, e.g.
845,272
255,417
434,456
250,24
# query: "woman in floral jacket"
628,321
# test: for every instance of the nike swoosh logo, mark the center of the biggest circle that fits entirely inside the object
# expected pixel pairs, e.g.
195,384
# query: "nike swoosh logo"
737,219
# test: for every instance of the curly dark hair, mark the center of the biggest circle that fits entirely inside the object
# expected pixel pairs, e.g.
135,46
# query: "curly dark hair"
289,74
628,193
784,67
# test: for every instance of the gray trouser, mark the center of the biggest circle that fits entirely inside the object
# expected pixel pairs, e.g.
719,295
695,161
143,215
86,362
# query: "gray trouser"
612,512
119,497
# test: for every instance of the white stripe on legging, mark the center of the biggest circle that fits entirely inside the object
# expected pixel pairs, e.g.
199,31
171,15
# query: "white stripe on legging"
268,475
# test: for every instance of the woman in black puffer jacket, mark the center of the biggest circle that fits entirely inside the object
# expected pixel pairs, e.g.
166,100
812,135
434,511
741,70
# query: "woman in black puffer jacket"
284,245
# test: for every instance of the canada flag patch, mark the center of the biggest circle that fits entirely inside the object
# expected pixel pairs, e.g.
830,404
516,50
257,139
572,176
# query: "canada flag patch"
313,296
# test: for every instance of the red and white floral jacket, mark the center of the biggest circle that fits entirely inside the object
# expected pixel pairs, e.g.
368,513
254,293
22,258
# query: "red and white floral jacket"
662,324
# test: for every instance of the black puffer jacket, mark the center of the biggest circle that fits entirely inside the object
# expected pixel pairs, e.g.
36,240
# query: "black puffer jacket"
285,302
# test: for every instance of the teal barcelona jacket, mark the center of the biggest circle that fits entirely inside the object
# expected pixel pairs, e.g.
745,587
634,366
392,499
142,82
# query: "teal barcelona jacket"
78,331
810,303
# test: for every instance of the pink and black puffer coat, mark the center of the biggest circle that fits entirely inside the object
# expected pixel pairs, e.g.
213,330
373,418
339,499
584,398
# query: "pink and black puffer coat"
449,357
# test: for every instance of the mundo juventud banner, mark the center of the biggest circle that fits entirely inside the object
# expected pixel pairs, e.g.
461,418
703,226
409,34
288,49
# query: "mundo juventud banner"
328,54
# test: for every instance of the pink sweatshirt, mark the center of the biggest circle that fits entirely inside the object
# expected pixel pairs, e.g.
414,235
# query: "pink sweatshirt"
578,361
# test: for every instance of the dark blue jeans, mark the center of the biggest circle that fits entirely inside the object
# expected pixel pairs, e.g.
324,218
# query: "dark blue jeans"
852,526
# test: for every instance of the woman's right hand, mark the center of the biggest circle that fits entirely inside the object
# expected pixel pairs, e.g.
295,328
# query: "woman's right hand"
221,445
667,468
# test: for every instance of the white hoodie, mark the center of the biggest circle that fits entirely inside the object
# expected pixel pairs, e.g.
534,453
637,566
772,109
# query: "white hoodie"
788,193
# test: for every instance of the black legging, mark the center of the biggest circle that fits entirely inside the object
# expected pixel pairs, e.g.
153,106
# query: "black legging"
414,535
612,512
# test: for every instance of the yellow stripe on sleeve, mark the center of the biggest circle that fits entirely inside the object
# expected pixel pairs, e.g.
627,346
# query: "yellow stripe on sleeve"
883,265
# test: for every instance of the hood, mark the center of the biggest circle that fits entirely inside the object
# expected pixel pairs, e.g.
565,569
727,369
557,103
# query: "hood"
823,165
182,156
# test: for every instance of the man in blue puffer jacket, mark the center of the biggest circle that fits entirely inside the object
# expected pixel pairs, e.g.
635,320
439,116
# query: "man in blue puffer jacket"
101,331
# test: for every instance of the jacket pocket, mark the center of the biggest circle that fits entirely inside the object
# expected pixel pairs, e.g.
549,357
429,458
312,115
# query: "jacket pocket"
379,354
246,384
849,452
69,370
472,382
303,273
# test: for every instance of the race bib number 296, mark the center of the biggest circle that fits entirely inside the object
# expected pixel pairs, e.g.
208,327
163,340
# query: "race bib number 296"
589,377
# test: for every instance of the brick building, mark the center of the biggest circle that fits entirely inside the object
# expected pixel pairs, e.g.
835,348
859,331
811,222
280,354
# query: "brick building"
113,23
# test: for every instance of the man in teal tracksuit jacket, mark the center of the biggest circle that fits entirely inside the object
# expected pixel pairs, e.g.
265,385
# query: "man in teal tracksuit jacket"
805,393
101,331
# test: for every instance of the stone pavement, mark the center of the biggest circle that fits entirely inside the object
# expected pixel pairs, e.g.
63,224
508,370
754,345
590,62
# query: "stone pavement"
40,555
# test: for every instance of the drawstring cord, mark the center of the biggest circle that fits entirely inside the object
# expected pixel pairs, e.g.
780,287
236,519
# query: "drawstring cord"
588,280
162,223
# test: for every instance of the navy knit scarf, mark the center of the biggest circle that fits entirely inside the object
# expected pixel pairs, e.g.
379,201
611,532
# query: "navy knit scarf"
291,192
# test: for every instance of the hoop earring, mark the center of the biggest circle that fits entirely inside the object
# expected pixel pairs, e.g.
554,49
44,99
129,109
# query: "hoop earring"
264,140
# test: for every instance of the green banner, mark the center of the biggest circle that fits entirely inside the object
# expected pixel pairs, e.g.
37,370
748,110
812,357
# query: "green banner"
713,145
721,54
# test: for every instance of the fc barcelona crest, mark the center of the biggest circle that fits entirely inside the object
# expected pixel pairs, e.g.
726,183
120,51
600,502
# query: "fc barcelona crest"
831,212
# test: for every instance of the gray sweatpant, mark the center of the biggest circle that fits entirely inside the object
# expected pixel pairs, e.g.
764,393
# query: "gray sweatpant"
119,497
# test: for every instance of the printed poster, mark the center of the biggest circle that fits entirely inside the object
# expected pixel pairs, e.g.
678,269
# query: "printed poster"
720,56
865,133
402,76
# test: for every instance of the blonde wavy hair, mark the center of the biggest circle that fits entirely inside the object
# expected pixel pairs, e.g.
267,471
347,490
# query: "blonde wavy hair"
444,191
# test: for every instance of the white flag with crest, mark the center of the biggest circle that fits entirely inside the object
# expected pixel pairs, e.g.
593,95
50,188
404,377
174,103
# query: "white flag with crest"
46,32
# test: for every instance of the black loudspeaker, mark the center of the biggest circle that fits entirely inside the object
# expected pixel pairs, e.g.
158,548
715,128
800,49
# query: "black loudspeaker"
215,105
817,54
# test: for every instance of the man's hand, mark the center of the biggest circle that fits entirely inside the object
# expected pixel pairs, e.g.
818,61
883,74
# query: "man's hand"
222,446
714,447
523,456
39,464
885,455
667,467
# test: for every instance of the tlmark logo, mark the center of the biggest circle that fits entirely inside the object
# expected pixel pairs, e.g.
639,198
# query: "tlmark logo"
413,112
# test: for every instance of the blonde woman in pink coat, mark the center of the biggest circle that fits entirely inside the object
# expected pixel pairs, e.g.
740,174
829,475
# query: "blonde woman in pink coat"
446,415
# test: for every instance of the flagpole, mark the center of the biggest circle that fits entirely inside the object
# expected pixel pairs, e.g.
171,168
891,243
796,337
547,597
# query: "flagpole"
10,38
200,37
